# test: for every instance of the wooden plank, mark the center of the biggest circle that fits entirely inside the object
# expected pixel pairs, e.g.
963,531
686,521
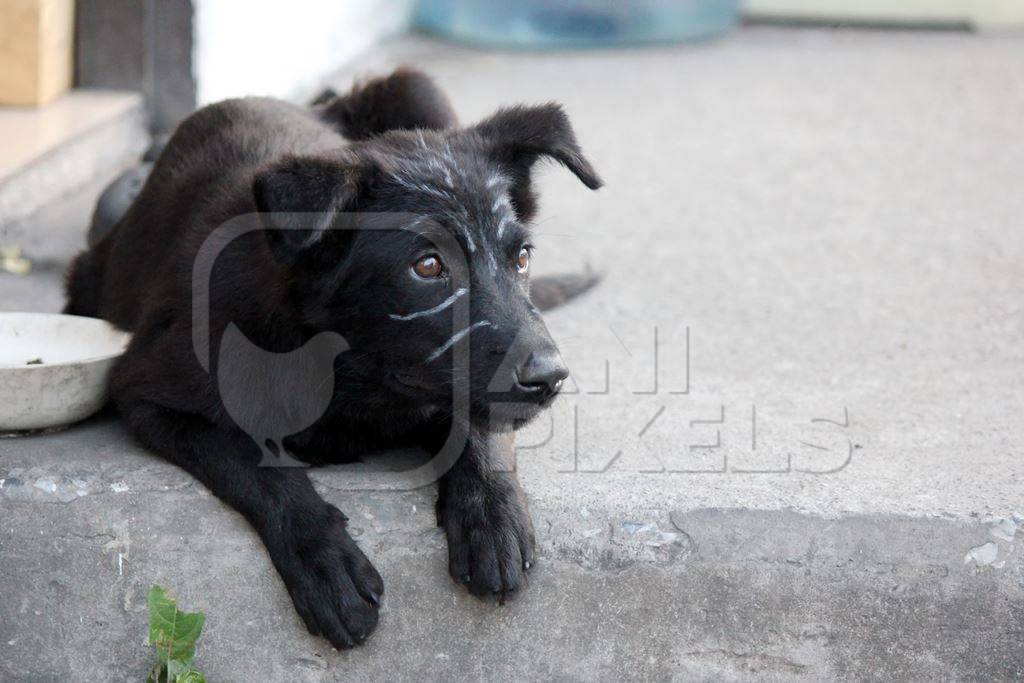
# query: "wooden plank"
36,50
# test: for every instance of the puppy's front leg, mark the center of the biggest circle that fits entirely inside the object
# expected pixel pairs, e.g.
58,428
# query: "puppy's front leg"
484,514
334,587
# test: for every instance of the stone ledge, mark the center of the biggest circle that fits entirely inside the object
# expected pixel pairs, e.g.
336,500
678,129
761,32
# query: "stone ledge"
89,522
85,137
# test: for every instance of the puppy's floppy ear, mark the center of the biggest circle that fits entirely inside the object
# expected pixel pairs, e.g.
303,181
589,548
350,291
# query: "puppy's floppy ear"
299,199
517,136
405,100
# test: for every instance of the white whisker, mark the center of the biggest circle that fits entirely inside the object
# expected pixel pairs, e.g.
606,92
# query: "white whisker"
430,311
454,339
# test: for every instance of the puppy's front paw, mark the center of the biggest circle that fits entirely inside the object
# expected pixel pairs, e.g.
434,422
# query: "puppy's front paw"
490,540
334,587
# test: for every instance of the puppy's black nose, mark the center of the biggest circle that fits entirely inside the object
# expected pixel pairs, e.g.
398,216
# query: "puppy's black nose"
542,373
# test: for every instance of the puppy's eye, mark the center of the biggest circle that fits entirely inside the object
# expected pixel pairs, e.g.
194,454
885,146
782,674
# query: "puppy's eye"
429,267
523,260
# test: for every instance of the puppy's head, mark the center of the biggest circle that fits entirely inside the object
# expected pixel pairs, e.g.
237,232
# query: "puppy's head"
415,246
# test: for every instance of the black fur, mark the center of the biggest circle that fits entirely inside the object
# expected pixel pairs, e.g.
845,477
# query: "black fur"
405,100
282,287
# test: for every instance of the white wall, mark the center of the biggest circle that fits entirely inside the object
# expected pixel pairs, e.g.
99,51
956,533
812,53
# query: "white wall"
284,49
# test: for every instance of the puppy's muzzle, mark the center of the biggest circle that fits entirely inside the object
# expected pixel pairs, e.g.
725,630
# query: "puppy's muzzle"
540,377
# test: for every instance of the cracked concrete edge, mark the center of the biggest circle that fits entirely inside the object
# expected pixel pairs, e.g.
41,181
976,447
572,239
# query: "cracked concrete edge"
710,593
606,540
626,586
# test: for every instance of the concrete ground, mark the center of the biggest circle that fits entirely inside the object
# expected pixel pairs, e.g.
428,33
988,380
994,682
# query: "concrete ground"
793,447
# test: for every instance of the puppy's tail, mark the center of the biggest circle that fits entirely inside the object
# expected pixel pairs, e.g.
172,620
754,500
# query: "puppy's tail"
83,283
550,291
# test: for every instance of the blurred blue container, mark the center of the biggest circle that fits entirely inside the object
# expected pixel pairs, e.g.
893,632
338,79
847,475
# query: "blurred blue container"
576,23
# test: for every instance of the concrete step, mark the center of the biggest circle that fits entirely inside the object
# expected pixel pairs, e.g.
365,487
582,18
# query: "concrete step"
49,238
627,586
78,142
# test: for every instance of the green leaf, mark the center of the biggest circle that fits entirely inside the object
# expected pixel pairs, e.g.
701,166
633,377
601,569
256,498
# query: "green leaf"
179,674
190,676
174,634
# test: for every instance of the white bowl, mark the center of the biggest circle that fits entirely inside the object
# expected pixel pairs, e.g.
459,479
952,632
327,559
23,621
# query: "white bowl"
54,368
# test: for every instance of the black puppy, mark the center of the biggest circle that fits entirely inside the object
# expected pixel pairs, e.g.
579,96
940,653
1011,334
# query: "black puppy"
448,276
